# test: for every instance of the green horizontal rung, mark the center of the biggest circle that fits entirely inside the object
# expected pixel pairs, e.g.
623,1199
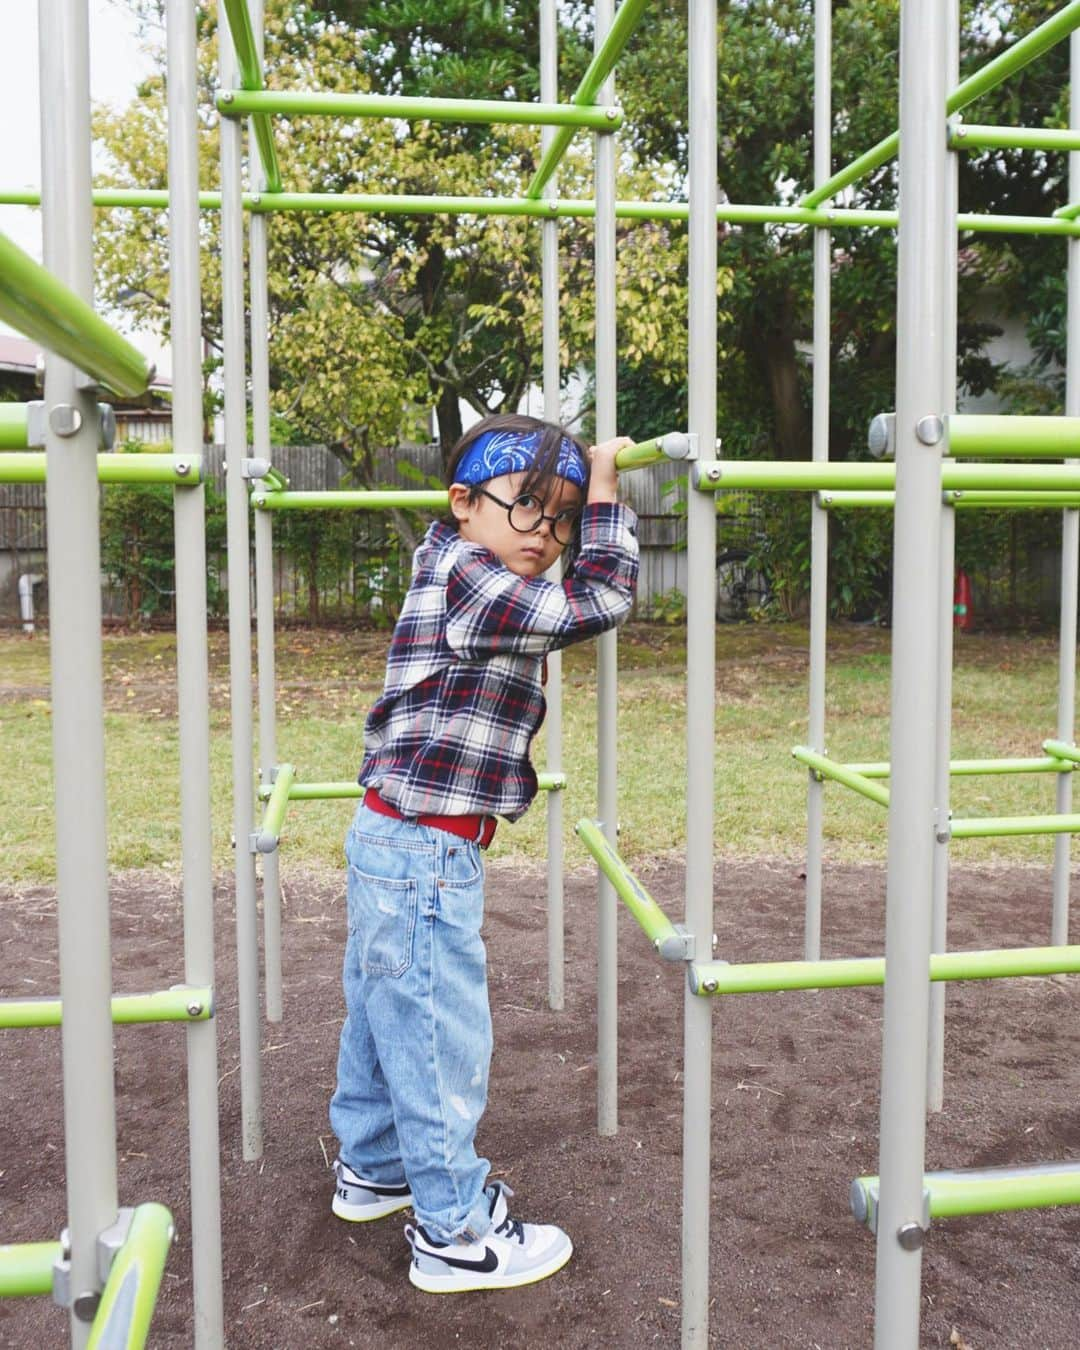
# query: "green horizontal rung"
819,476
27,1268
43,309
674,445
652,920
1006,501
317,792
1002,827
972,136
243,102
182,1004
987,1190
123,1317
771,977
884,499
348,500
841,773
277,804
974,768
999,437
182,471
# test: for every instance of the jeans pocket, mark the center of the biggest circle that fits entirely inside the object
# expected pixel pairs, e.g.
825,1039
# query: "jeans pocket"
382,917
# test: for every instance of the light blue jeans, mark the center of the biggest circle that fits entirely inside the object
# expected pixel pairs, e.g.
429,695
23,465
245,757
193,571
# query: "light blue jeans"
413,1061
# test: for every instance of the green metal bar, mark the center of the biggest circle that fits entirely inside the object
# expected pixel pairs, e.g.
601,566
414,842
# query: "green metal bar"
29,467
810,476
278,803
1062,751
843,500
976,768
317,792
14,429
996,437
43,309
840,773
251,78
770,977
345,500
1020,54
652,920
993,1190
1001,827
27,1268
182,1004
242,102
732,213
1068,213
600,67
970,136
672,445
275,480
123,1317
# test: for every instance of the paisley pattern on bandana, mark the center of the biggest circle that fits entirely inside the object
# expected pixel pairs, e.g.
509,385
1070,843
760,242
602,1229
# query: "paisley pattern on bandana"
499,452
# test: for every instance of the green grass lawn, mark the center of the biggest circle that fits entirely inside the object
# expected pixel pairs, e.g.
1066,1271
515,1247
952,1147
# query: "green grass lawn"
1005,703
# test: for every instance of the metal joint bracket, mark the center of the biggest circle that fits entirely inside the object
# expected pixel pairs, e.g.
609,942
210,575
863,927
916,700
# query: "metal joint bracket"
61,1279
680,445
942,833
881,438
253,842
65,421
36,423
111,1240
254,468
681,947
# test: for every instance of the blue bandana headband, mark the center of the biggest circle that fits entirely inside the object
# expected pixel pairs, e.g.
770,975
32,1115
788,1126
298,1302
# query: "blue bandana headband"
499,452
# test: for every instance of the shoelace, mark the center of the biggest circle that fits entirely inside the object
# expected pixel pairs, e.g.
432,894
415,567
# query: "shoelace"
511,1228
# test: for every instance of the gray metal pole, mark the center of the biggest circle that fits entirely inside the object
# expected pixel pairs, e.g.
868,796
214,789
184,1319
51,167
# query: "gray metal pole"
236,514
192,668
700,676
819,518
549,276
264,556
920,399
935,1055
78,717
607,673
1070,543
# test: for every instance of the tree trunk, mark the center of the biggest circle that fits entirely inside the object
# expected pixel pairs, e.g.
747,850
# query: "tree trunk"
448,412
775,351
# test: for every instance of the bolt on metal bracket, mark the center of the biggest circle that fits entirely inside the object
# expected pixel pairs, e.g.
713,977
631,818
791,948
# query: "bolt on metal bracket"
881,438
681,947
930,429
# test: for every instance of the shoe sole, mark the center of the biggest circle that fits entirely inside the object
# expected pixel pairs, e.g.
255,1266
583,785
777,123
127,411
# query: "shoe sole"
366,1213
461,1283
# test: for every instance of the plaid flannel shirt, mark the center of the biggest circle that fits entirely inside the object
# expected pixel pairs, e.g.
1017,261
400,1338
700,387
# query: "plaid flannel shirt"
462,701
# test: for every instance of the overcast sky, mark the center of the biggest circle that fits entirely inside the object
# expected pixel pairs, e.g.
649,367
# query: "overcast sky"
116,66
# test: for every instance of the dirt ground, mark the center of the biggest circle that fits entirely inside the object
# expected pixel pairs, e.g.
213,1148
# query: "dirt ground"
796,1081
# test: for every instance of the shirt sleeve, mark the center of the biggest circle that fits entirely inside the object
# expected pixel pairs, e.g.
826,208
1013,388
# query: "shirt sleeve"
491,610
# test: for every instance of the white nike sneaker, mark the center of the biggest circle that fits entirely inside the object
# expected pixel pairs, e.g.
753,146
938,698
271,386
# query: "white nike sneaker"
510,1255
358,1200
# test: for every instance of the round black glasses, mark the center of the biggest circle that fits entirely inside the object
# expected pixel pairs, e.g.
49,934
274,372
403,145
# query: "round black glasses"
527,511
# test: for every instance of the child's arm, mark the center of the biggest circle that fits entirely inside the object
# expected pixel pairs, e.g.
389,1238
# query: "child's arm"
491,609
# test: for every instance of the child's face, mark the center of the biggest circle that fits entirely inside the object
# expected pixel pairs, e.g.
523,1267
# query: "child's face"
486,521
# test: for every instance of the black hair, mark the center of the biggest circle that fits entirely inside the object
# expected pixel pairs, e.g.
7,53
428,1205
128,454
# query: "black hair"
540,477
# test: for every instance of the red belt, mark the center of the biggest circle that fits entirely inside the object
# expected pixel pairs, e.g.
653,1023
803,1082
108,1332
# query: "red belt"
476,828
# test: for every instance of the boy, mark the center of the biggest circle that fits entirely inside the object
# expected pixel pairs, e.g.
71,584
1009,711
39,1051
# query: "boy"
446,750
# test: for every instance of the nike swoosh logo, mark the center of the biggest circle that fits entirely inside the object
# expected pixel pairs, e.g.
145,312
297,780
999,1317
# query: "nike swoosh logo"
489,1263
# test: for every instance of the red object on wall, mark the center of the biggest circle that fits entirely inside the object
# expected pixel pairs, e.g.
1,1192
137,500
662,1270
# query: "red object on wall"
963,610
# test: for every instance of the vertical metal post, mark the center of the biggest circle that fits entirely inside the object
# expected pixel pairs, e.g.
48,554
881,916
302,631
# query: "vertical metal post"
549,276
607,673
192,669
1070,541
920,398
819,518
264,554
78,718
236,504
700,676
939,929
